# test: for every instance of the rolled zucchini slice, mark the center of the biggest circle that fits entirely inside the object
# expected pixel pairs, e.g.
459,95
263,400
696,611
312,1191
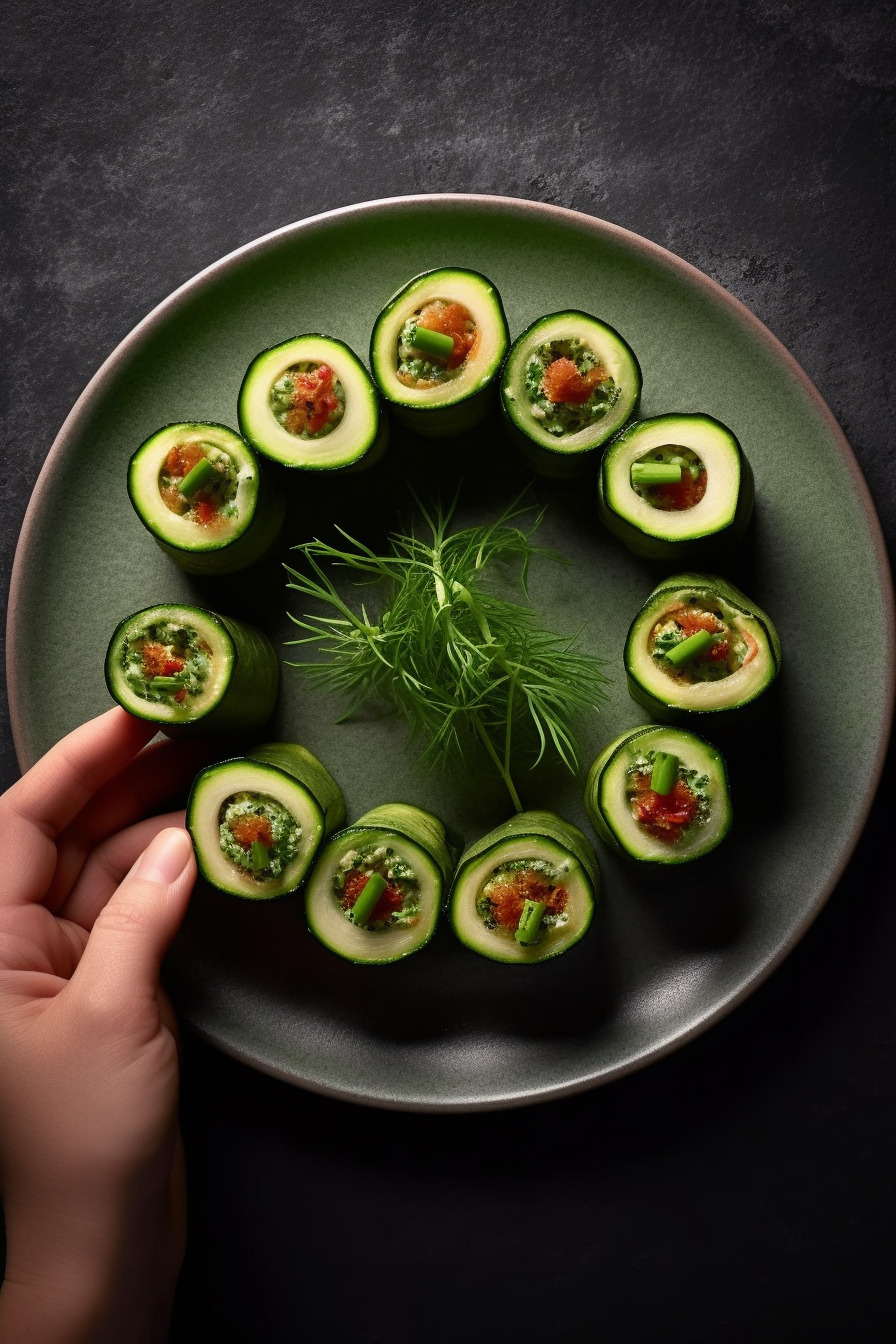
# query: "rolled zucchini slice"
699,646
526,891
309,403
659,795
198,490
192,671
570,382
376,890
257,822
674,486
436,349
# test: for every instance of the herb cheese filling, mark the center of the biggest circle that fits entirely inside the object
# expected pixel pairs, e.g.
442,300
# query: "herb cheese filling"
693,643
506,892
166,663
199,481
308,400
670,816
439,323
258,834
568,387
399,902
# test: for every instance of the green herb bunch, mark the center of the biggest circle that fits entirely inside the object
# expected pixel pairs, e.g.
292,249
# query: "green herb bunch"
459,662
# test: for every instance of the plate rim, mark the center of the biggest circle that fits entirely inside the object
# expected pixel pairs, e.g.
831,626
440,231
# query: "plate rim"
589,224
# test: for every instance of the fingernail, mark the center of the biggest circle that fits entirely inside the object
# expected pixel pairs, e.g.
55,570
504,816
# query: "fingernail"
165,858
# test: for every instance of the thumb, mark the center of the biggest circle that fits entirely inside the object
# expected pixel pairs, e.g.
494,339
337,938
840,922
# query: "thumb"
131,933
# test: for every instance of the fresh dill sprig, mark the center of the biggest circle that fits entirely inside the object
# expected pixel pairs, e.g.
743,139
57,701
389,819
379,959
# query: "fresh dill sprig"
458,661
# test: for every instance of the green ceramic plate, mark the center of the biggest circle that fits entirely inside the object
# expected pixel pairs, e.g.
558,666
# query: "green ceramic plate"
666,955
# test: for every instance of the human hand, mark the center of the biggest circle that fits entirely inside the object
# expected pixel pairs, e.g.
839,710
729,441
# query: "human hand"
90,1156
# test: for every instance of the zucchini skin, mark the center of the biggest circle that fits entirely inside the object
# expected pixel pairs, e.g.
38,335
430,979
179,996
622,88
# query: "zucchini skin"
250,695
556,463
257,540
373,444
401,822
603,825
299,766
534,825
451,418
687,549
666,710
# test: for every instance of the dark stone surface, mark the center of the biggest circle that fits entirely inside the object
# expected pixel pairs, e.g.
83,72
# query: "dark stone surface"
742,1188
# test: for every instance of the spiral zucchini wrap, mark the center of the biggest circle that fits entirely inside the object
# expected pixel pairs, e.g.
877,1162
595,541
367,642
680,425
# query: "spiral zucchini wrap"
376,889
436,349
526,891
257,821
192,671
198,490
699,646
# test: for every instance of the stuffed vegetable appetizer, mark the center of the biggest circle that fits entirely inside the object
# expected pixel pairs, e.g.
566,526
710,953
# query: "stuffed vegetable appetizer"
659,795
376,890
699,646
192,671
674,486
309,403
436,349
526,891
198,490
257,822
569,383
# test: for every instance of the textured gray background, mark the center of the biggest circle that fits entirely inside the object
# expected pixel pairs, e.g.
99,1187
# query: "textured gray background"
742,1188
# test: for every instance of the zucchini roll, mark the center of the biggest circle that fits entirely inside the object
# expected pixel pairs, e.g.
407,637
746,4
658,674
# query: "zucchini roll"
257,822
698,646
526,891
376,890
659,795
190,670
198,490
569,383
436,348
674,486
309,403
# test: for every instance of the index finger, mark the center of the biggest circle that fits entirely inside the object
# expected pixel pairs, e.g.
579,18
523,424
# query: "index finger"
55,790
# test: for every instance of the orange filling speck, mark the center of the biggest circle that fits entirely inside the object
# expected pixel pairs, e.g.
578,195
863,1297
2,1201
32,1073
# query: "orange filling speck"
389,903
451,320
246,830
157,662
563,382
683,495
664,815
313,400
509,893
182,458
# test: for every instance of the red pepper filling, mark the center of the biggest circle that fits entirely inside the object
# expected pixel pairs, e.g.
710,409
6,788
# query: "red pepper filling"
246,830
157,662
313,400
684,494
389,903
509,893
181,460
451,320
664,815
563,382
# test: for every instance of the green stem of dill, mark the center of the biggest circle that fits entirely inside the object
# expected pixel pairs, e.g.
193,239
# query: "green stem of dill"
499,764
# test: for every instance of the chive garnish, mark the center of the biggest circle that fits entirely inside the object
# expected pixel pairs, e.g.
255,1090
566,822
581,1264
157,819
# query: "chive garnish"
166,683
664,773
530,922
258,856
432,342
655,473
372,891
689,648
199,476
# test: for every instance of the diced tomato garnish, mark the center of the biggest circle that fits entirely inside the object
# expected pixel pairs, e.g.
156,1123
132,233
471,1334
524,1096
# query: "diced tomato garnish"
182,458
563,382
389,903
451,320
172,666
155,659
246,830
206,511
683,495
313,400
664,815
718,652
180,696
509,894
691,621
